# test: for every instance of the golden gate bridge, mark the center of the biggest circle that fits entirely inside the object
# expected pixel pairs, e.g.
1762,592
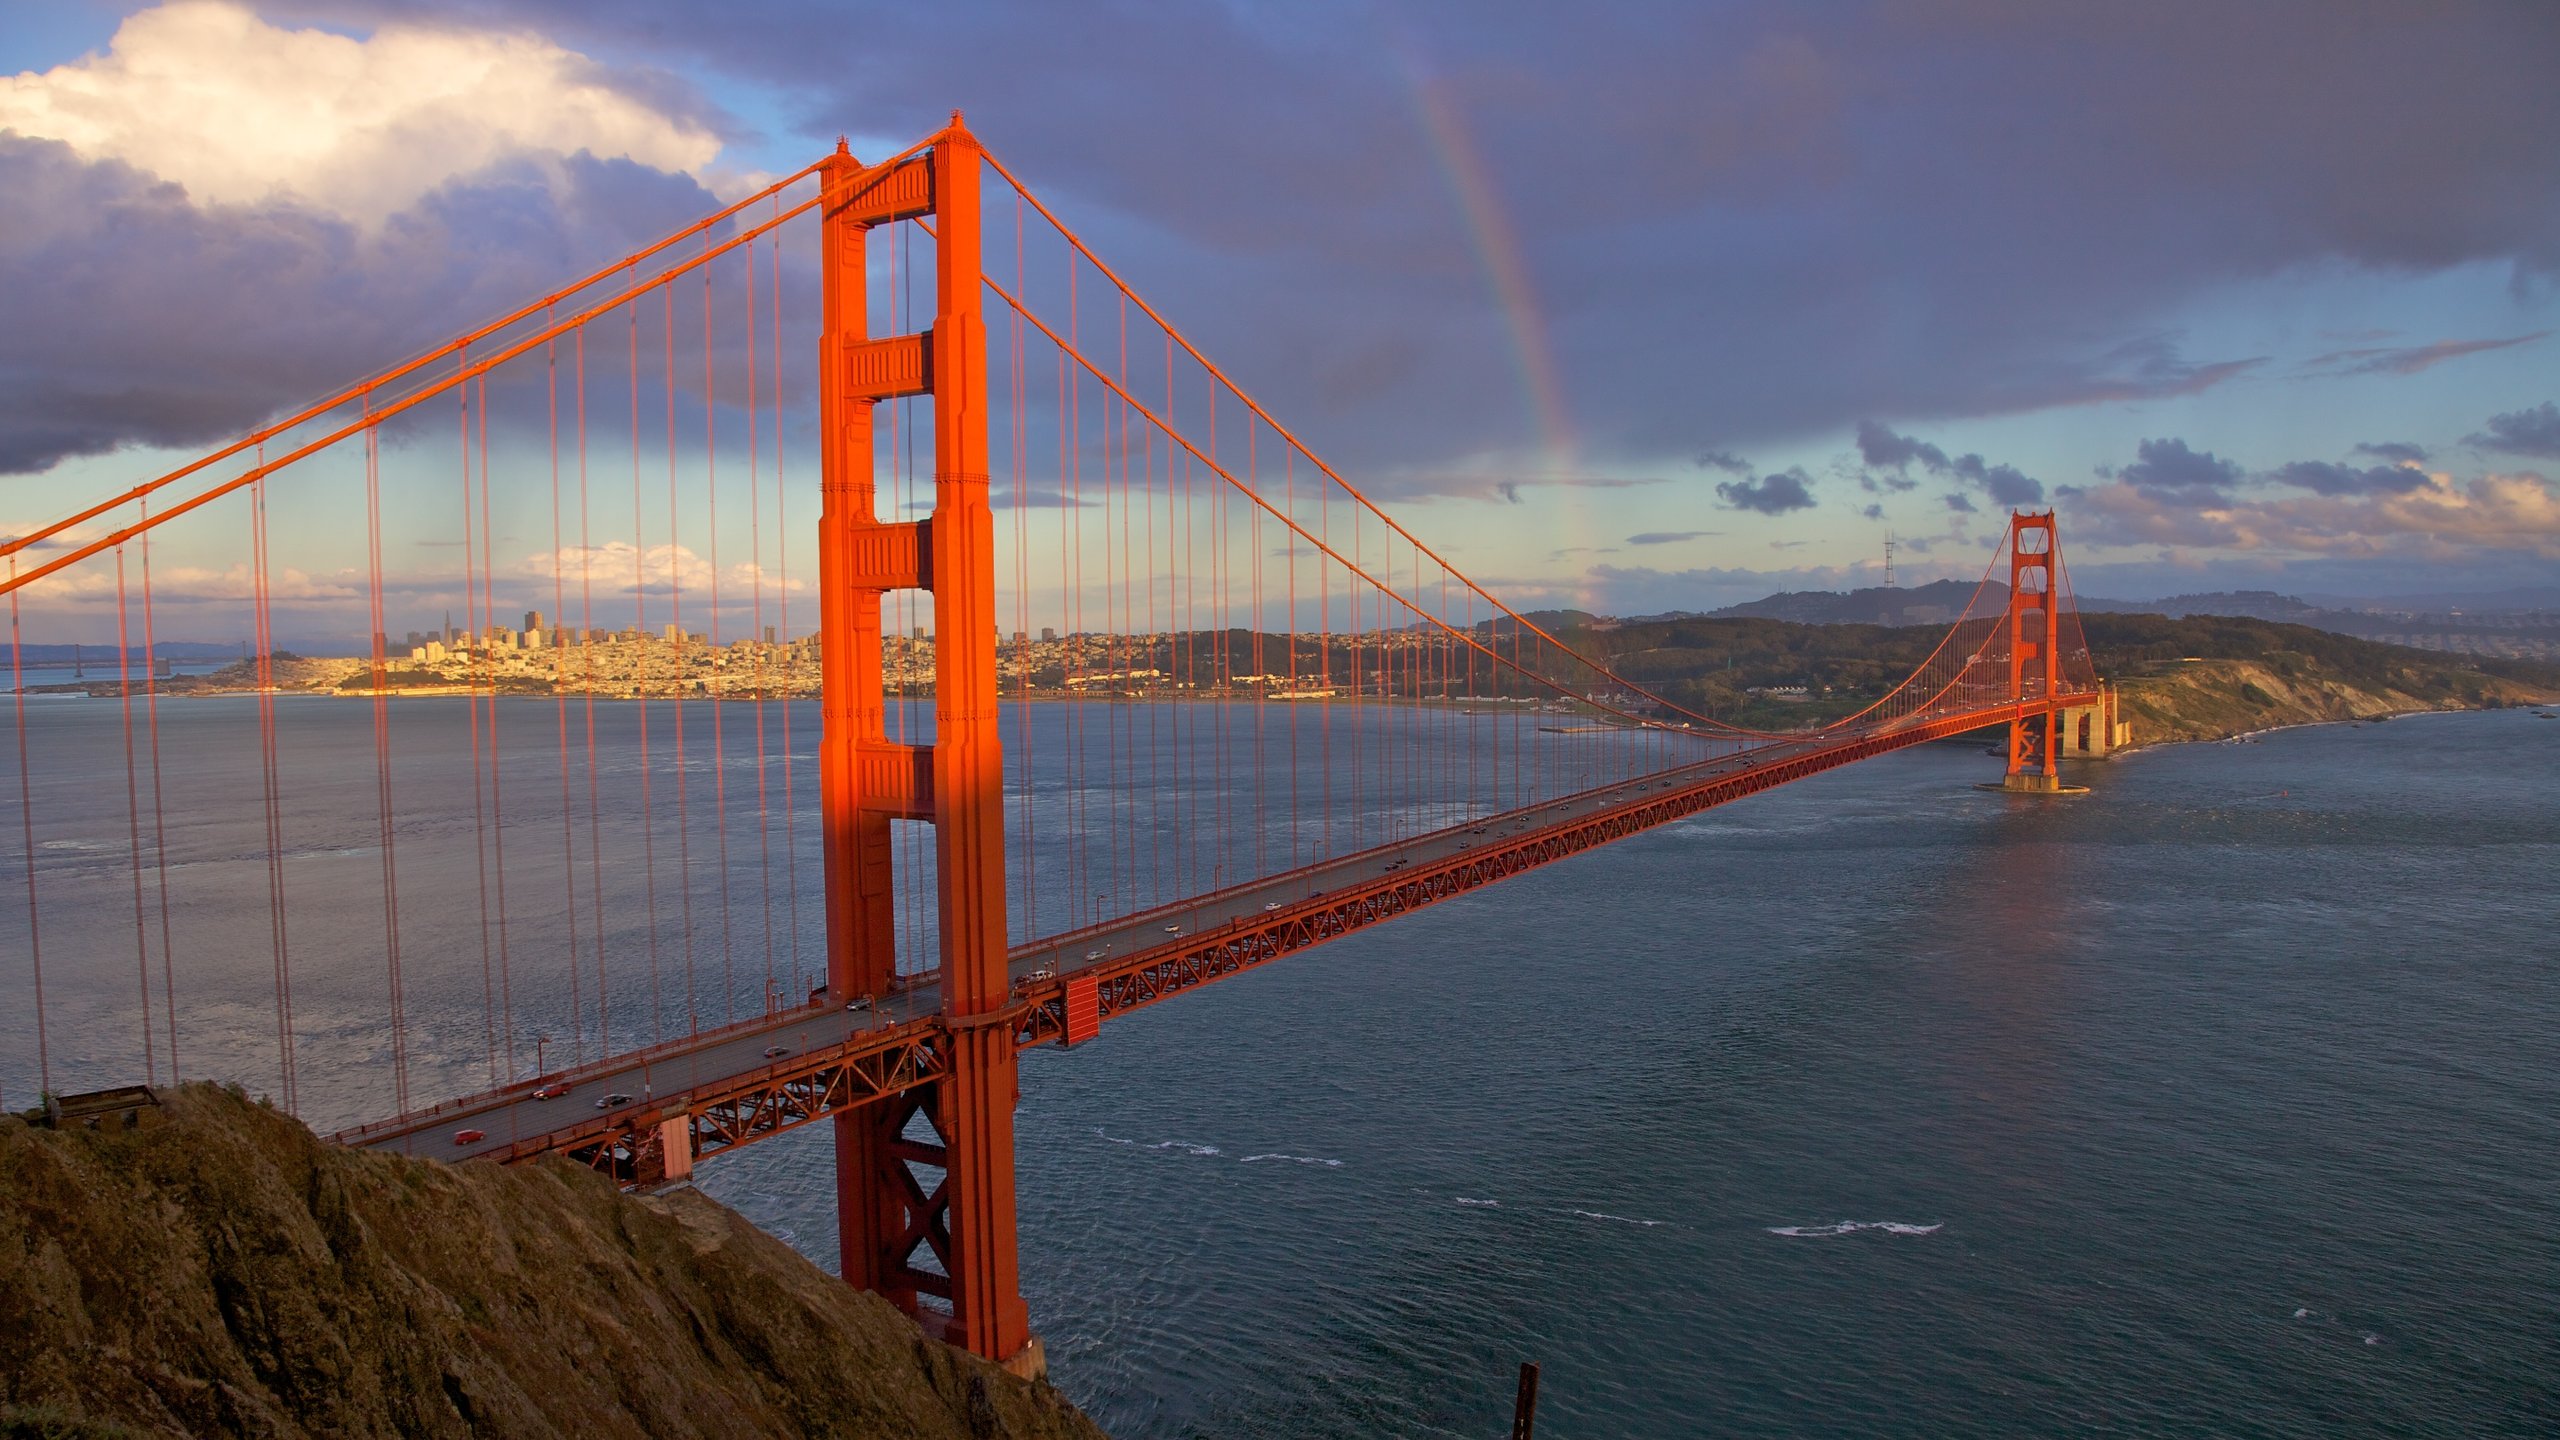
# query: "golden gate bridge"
1281,717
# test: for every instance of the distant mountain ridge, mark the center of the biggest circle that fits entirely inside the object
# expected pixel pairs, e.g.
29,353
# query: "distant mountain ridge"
2482,628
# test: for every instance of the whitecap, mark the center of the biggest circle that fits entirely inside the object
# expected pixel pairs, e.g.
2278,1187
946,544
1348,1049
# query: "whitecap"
1294,1160
1479,1204
2304,1314
1850,1227
1183,1145
1620,1219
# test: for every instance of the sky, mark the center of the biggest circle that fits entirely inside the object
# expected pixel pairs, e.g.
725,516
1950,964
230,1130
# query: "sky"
1635,307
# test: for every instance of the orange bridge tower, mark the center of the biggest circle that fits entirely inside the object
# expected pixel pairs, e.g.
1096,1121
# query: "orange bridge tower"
927,1220
2034,622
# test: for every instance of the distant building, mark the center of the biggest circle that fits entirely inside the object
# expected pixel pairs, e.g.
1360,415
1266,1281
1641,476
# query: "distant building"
1048,634
768,634
533,620
674,635
916,633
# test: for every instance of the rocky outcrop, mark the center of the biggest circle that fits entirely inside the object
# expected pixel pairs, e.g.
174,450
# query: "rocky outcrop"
212,1269
2214,699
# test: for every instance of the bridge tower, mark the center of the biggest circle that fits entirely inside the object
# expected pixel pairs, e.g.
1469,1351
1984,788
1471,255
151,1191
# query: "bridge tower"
2035,660
904,1198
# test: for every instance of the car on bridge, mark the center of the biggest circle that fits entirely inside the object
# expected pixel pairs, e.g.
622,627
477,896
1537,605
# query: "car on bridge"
776,1052
553,1091
613,1101
469,1137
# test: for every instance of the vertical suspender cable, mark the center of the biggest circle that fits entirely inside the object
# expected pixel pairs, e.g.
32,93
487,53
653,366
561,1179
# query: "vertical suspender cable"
27,832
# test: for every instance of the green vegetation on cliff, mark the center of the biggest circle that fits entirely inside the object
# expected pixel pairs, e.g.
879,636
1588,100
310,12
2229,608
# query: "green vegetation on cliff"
1730,668
215,1270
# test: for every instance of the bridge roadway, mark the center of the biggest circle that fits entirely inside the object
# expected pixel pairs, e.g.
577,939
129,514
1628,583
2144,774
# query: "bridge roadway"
758,1077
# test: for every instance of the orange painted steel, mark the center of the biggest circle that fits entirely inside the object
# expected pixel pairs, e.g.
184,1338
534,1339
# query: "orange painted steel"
887,1218
2034,622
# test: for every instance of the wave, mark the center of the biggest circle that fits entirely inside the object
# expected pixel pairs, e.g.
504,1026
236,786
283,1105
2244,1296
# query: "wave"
1479,1204
1294,1160
1182,1145
1619,1219
1850,1227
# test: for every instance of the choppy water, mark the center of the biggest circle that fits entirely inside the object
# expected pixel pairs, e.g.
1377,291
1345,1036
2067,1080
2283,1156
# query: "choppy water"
2218,1101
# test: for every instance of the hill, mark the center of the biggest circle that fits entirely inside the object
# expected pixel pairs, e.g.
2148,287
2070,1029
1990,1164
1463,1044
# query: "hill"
216,1270
1749,670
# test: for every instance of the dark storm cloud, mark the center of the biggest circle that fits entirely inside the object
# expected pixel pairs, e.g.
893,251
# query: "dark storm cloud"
2534,432
1984,202
132,316
2408,359
2322,478
1770,495
2395,451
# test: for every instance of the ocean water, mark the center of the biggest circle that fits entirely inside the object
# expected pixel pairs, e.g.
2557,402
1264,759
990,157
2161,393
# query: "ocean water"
2220,1100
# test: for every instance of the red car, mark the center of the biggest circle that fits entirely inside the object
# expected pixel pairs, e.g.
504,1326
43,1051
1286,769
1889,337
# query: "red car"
552,1091
468,1137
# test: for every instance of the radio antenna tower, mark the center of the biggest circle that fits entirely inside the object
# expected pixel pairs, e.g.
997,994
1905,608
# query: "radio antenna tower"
1888,560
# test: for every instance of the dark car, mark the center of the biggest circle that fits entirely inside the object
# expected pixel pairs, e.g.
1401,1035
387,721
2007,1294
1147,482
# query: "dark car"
612,1101
776,1052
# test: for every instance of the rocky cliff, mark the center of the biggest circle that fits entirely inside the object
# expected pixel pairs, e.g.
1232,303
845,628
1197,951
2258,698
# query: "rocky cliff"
212,1269
2212,699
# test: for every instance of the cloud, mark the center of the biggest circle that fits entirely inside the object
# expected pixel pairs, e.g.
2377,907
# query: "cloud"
1959,502
2170,473
240,112
2533,432
1883,449
161,322
2407,359
1770,495
1905,191
1724,460
2395,451
1873,512
1667,537
2440,520
2321,477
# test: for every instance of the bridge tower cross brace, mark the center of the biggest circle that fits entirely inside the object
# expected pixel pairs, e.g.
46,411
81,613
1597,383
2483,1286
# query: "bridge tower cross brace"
2035,663
891,1211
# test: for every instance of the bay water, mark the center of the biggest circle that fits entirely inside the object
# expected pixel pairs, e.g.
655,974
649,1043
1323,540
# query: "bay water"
2219,1100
